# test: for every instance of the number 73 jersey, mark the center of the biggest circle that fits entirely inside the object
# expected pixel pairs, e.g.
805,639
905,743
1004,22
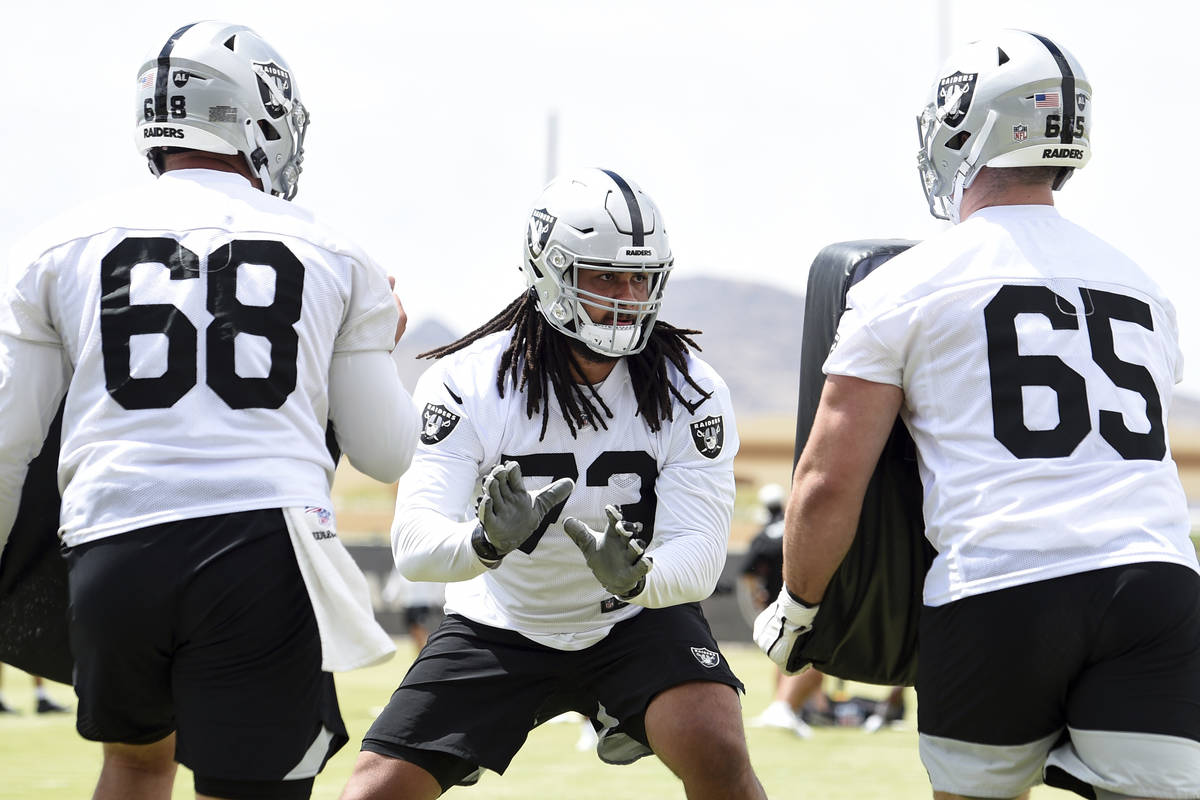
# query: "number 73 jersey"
1037,365
677,482
197,319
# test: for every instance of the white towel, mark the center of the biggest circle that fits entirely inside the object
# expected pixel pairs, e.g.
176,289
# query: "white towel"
350,636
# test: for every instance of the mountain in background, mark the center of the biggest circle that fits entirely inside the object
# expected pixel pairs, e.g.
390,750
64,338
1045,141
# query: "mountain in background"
751,336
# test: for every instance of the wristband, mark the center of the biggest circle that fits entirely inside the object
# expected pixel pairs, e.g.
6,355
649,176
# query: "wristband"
638,587
485,551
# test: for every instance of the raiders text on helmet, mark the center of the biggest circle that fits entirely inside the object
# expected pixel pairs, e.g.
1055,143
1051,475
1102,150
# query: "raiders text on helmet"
220,88
595,219
1015,99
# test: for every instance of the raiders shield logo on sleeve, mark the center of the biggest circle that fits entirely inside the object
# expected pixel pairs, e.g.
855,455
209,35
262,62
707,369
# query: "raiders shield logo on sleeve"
709,436
438,421
541,222
706,657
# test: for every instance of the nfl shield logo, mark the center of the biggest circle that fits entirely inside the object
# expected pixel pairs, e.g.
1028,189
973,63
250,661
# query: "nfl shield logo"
541,222
706,657
1020,133
437,422
709,436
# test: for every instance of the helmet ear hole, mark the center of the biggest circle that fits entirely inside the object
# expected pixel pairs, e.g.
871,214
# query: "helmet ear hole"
957,141
269,131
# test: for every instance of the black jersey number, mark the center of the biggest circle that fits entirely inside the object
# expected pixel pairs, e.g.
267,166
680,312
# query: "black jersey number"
120,320
599,473
1010,371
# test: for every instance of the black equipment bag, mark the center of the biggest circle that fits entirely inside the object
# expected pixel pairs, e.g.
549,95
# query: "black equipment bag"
867,628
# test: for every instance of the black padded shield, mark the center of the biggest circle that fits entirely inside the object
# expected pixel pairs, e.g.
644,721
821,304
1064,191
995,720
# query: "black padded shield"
867,628
33,574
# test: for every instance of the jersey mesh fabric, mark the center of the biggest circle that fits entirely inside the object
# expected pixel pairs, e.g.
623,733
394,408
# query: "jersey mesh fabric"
1010,296
198,247
548,593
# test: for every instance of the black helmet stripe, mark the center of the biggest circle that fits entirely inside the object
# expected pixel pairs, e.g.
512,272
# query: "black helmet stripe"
1068,89
164,74
635,211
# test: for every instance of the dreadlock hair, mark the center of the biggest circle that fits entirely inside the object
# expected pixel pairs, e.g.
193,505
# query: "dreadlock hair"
538,356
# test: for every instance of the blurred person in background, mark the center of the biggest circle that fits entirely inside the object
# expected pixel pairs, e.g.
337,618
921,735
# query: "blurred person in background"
762,577
43,703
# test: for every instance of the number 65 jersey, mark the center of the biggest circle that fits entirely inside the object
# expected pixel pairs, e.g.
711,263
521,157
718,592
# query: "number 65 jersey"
678,482
195,320
1037,365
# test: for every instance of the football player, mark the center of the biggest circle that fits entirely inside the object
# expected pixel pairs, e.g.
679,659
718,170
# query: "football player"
1033,365
205,333
574,485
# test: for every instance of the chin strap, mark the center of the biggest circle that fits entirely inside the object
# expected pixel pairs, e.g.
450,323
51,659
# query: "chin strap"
256,157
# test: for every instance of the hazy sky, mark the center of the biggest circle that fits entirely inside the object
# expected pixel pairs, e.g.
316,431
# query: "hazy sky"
764,130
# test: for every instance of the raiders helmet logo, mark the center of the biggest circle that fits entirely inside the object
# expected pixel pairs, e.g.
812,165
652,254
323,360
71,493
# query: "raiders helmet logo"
706,657
541,222
437,422
709,436
954,97
281,82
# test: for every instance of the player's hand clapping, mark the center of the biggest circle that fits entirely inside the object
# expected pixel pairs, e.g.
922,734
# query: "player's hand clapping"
508,513
615,557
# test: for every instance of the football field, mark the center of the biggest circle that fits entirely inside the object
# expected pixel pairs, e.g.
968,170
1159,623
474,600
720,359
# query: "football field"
43,758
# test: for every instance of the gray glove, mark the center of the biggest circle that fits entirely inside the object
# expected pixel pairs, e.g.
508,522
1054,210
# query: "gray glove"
509,514
614,556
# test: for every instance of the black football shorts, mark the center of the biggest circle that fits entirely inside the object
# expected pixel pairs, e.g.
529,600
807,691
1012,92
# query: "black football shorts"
203,627
474,692
1094,677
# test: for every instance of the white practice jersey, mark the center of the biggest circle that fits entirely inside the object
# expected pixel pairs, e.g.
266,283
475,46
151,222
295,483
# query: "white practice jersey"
1037,365
678,482
197,319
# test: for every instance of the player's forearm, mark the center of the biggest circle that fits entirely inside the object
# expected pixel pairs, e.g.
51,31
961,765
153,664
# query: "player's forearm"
373,415
686,570
427,546
820,527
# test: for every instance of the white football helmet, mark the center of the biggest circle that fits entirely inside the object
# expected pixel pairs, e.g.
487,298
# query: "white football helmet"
221,88
595,219
1014,99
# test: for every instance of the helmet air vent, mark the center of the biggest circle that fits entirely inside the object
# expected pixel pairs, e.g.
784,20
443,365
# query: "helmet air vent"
231,42
268,131
1002,57
956,141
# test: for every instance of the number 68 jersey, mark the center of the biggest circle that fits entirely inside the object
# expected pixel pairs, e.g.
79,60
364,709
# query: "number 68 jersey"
678,482
195,320
1037,365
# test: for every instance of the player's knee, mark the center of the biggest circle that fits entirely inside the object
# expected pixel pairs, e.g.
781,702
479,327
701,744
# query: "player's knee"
232,789
156,758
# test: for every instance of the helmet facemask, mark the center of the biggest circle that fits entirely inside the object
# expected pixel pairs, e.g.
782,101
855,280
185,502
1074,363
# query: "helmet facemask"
625,324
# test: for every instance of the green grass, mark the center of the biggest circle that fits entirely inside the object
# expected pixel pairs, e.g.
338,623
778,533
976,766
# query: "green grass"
43,757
